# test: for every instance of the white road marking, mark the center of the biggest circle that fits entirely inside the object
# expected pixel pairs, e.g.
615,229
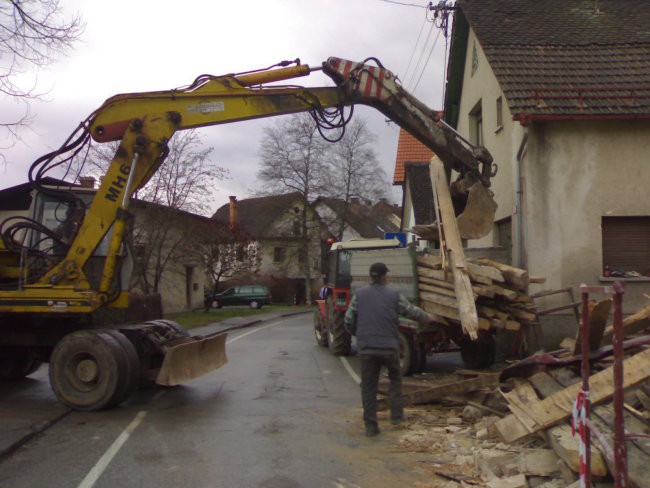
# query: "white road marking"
101,465
94,474
350,371
229,341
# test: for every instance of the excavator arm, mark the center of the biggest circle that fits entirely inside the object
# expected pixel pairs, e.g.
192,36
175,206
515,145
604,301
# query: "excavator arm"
145,122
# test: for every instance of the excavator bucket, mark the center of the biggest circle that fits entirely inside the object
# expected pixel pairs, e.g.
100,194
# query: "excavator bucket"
193,357
477,217
475,221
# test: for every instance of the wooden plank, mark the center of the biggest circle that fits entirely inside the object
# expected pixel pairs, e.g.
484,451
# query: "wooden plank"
597,321
632,324
439,299
436,289
436,282
558,406
428,394
567,447
515,276
434,308
464,295
485,272
430,261
433,273
518,400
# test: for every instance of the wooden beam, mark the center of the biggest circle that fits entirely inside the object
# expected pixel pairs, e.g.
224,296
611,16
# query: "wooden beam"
559,406
463,287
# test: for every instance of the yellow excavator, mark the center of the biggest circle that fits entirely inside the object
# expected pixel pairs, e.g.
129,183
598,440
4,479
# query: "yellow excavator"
50,286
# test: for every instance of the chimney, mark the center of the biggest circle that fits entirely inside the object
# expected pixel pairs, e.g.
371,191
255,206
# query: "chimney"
87,181
233,212
383,200
354,200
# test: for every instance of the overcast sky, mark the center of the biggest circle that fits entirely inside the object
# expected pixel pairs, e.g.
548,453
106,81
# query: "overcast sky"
148,45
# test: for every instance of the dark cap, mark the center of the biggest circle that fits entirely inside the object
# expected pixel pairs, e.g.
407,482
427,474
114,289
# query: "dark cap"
378,269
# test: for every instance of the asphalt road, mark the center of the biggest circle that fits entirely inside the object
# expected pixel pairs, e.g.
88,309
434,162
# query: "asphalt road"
283,413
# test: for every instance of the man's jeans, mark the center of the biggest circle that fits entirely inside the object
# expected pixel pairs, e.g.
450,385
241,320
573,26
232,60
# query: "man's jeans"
370,367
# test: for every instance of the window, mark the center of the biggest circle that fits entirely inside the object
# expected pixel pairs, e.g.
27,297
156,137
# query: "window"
296,228
626,244
476,124
504,233
278,254
499,113
474,58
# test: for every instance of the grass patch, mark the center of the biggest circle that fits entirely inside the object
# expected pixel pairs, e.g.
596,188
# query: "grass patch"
199,318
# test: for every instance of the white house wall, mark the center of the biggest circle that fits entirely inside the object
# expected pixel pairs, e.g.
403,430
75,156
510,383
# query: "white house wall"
576,173
502,142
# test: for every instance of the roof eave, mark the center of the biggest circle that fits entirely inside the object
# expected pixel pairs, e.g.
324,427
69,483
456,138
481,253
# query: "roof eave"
526,118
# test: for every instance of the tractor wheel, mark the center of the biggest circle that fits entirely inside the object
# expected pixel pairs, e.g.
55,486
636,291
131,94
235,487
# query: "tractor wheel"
338,339
16,364
319,329
421,363
89,370
478,354
407,354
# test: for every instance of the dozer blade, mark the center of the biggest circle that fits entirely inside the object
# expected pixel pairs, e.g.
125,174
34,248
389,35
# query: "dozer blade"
193,358
477,218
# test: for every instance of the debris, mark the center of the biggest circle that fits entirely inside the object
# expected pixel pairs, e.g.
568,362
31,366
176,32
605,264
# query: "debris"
541,414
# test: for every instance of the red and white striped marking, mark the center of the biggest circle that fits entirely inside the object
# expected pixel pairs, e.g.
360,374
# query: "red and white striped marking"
371,79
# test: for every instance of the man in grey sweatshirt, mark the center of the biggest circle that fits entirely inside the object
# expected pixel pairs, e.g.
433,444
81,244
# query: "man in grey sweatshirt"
373,316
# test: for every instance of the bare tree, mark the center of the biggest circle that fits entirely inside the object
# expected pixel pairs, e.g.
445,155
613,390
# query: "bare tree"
185,181
354,171
165,233
228,252
33,34
293,160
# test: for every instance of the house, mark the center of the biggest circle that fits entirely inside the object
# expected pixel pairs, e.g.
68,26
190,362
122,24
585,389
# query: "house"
275,222
355,219
180,281
559,92
412,174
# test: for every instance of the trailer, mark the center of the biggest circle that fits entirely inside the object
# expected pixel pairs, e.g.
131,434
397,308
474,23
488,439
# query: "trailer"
348,265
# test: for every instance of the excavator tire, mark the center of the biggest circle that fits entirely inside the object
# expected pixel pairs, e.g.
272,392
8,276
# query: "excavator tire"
338,339
319,329
15,365
133,364
89,370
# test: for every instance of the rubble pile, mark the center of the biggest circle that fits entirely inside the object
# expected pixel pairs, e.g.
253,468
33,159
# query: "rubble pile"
511,427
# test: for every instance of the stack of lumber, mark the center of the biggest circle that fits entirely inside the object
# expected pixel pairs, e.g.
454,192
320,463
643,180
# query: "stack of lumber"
500,292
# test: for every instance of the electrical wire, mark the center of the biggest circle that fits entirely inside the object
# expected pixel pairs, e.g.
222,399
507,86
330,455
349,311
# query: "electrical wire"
424,68
408,66
403,3
417,66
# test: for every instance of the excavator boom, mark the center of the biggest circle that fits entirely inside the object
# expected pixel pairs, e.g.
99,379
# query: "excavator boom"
53,291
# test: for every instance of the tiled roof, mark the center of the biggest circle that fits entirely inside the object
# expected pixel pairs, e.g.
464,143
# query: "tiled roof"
367,221
409,149
254,215
569,58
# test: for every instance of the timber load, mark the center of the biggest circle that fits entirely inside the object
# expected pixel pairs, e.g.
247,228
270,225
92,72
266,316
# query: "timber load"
500,292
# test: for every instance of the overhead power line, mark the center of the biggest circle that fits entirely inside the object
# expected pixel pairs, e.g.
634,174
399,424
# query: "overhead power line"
404,3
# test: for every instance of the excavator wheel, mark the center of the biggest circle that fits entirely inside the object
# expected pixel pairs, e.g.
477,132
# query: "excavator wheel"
16,364
319,329
338,339
90,370
133,364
